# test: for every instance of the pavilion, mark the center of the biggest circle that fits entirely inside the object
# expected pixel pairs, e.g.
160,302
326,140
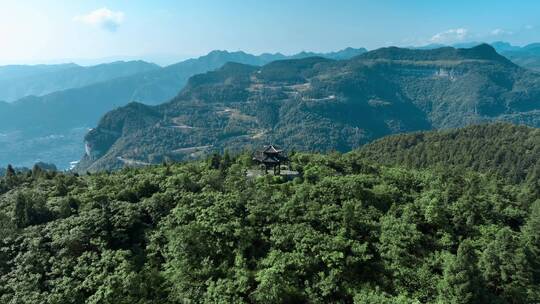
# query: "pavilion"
271,158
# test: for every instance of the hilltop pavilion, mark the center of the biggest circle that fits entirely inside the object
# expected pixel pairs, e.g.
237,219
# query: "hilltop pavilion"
271,158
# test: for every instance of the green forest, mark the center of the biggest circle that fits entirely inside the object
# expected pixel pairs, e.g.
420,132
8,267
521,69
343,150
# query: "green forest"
509,151
348,230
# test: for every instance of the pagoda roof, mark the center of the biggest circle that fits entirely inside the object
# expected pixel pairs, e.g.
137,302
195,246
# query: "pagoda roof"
271,149
270,155
268,158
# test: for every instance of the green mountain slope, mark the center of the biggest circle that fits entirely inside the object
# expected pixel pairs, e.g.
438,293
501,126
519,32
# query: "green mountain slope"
503,149
345,231
317,104
17,82
51,128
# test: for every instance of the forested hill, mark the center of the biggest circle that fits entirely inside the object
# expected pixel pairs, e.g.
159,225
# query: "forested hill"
345,231
504,149
318,104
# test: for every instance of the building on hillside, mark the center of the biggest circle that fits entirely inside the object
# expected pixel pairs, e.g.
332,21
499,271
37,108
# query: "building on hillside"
271,157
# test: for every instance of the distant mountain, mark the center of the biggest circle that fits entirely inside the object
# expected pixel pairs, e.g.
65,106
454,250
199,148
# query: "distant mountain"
21,81
502,46
319,104
51,127
20,71
339,55
527,56
510,151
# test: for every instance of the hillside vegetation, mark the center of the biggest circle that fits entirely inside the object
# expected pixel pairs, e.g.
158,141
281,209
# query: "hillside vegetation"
346,231
503,149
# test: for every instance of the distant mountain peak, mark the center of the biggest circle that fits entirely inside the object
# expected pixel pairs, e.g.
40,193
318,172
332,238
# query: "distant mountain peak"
482,51
532,46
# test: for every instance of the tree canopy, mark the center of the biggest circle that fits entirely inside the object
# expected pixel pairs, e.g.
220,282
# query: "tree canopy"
346,231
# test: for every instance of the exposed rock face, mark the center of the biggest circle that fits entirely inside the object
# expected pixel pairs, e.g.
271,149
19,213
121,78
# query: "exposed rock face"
88,150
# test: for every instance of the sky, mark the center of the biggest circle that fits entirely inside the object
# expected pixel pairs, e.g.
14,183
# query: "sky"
86,31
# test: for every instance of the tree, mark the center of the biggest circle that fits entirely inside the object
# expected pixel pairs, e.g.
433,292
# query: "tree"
505,268
29,209
11,177
460,283
531,241
399,247
21,214
37,171
10,172
215,161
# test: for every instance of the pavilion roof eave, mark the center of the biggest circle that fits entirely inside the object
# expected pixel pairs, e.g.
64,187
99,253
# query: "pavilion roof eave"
271,149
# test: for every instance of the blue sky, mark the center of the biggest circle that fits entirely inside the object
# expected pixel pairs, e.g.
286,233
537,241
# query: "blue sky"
34,31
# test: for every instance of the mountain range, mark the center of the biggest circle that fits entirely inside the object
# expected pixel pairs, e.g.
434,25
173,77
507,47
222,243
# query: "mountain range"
17,82
51,127
319,104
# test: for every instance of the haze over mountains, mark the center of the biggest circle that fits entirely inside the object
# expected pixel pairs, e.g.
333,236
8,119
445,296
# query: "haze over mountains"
318,104
52,127
20,81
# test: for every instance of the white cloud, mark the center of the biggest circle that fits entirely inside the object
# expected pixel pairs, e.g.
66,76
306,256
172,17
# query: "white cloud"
450,36
499,32
103,18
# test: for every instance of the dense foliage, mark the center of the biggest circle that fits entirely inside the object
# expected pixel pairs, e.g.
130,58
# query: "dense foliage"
317,104
510,151
346,231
